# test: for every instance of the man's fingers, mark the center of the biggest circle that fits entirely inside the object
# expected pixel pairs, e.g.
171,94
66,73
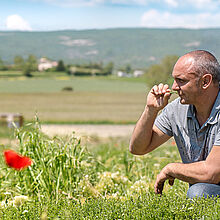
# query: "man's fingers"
160,89
167,97
165,87
158,188
155,90
171,181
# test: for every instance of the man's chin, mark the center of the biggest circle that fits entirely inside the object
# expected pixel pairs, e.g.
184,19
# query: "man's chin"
183,101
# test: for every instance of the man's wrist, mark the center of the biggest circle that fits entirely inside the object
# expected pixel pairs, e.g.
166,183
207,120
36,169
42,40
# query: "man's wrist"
151,111
169,169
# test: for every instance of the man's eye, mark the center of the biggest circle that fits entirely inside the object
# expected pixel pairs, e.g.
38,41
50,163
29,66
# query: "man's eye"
181,80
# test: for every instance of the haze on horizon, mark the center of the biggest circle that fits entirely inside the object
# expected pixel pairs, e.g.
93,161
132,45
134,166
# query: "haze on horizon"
47,15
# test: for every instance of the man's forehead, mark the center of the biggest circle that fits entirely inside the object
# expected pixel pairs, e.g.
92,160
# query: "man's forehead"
186,62
185,65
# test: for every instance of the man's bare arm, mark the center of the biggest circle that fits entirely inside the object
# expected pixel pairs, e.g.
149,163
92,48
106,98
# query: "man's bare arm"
146,137
207,171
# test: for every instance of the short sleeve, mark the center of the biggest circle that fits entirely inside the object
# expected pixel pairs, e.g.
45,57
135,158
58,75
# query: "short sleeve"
217,139
163,121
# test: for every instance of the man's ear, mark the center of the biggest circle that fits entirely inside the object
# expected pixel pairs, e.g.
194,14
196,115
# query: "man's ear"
206,80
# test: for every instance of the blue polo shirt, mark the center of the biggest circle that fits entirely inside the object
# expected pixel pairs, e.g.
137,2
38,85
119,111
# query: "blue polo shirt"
193,141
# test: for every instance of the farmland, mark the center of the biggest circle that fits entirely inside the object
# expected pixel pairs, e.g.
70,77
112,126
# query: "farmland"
93,100
95,179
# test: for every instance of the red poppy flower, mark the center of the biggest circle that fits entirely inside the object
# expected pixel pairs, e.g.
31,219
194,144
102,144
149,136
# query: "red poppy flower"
16,161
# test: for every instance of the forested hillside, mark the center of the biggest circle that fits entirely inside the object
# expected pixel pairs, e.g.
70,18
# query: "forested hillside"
139,47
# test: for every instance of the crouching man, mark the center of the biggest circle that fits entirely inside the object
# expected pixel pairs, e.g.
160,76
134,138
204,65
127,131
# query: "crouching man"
193,119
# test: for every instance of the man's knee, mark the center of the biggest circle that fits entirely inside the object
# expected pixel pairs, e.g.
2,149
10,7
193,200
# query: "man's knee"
205,190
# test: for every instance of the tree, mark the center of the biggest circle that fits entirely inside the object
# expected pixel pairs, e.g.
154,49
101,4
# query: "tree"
27,70
60,66
2,65
18,62
108,68
30,65
128,68
32,62
158,73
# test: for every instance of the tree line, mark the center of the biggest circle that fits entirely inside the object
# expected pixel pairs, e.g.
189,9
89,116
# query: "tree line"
154,74
30,64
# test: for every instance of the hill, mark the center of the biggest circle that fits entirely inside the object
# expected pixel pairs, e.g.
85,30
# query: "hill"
139,47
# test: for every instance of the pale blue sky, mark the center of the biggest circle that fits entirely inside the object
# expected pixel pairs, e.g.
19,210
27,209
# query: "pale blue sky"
42,15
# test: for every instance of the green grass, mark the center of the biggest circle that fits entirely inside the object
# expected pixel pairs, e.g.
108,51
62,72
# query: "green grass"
64,107
93,99
145,207
68,180
79,84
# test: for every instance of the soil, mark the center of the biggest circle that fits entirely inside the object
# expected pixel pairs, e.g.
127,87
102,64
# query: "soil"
102,131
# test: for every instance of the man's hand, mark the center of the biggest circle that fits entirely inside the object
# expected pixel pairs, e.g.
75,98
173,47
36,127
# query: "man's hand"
161,178
158,97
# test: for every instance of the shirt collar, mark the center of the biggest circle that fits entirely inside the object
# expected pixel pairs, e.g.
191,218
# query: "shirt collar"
216,107
191,111
212,119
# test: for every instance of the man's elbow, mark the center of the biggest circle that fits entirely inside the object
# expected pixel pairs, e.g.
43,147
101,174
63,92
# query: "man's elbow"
136,150
212,176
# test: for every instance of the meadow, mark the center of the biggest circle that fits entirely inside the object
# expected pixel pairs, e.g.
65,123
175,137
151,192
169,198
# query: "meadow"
92,99
71,180
96,179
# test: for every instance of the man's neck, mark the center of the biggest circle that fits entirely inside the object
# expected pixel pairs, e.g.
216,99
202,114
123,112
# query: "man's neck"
204,108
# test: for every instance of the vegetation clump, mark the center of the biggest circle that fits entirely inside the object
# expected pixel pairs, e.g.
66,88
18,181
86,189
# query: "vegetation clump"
69,180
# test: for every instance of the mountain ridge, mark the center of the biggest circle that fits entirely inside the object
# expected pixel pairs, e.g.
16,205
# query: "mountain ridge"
139,47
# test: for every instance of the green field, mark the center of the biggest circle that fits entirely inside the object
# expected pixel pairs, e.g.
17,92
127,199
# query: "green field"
68,180
75,179
93,99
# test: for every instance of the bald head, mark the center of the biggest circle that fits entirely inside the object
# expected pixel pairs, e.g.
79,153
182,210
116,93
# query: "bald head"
202,62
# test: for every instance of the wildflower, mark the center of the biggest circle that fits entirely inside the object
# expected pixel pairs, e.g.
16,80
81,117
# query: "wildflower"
157,165
87,188
15,160
139,187
3,204
19,200
43,216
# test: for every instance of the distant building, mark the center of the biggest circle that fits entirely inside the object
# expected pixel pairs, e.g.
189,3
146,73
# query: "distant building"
46,64
121,74
138,73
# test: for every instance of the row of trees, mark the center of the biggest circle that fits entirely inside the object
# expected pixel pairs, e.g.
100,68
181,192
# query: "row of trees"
27,65
155,74
91,69
30,64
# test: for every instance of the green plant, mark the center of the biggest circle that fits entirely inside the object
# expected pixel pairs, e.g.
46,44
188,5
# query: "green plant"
57,164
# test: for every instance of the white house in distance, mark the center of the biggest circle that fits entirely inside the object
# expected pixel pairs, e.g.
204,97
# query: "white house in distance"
122,74
138,73
45,64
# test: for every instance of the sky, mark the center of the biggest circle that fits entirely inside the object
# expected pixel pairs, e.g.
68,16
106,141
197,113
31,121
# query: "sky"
49,15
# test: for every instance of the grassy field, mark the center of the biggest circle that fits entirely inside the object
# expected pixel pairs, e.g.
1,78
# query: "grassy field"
93,99
74,179
75,107
79,84
68,180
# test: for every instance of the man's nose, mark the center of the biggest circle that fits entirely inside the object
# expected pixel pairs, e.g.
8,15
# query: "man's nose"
175,86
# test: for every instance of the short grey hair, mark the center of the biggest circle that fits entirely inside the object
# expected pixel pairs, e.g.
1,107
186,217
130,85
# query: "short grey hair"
205,62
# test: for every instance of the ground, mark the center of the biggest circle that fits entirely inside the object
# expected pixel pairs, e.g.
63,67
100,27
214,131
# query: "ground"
102,131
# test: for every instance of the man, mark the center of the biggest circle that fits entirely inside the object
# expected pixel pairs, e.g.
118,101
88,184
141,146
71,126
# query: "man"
193,120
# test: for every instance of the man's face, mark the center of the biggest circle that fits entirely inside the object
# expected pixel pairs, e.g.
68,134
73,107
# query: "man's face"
186,82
